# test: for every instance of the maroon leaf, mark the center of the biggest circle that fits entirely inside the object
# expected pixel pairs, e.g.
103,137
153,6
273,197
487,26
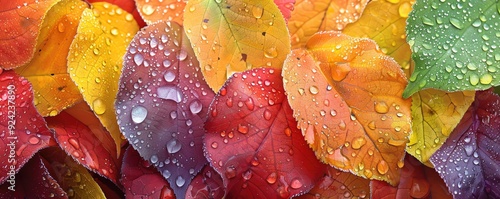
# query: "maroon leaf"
469,160
93,149
141,180
163,101
206,185
33,181
23,129
253,140
416,181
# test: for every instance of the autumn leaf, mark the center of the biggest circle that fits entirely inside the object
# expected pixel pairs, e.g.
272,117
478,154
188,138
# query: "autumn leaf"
286,7
20,26
153,11
417,181
310,17
338,184
233,36
385,21
163,103
435,114
469,160
96,56
54,90
207,184
253,142
142,180
327,86
127,5
23,130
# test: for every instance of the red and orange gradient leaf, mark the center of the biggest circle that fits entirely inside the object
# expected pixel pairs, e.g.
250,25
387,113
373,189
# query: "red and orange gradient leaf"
207,184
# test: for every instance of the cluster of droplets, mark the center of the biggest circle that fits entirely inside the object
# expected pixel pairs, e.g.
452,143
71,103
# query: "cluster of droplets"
154,10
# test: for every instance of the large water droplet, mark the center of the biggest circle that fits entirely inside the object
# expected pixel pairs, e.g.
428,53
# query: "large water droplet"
169,76
271,178
99,106
173,146
138,59
180,181
242,129
382,167
257,12
148,9
295,184
457,23
138,114
166,174
314,90
170,93
195,106
230,172
381,107
154,159
271,53
340,71
469,149
358,142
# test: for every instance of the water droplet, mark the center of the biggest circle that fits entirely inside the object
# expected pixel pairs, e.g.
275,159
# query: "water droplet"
267,114
419,189
180,181
469,149
60,27
257,12
382,167
154,159
114,31
401,164
96,51
242,129
182,55
214,145
473,79
381,107
138,59
195,107
148,9
169,76
296,184
372,125
342,125
170,93
404,9
271,53
34,140
99,106
271,178
340,71
457,23
247,175
486,79
249,103
230,172
138,114
166,174
358,142
314,90
173,146
77,177
395,142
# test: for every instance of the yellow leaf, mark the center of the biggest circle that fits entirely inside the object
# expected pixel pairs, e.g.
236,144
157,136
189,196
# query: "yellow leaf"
153,11
231,36
435,114
96,57
53,88
385,22
309,17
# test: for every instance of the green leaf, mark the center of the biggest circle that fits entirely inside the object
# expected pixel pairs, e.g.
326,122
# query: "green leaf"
455,45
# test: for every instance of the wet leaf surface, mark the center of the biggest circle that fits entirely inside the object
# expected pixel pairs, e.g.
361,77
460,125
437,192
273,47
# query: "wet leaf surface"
286,7
207,184
153,11
127,5
253,140
327,85
163,103
469,160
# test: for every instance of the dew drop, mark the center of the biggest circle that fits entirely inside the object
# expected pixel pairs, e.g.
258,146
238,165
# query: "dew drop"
60,27
267,114
457,23
257,12
169,76
138,114
230,172
473,79
170,93
34,140
271,53
114,31
154,159
74,143
180,181
314,90
382,167
296,184
340,71
182,55
173,146
358,142
242,129
166,174
486,79
195,107
138,59
99,106
214,145
381,107
271,178
148,9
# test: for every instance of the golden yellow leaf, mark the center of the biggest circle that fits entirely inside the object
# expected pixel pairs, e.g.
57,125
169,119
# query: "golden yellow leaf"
153,11
53,88
309,17
231,36
96,57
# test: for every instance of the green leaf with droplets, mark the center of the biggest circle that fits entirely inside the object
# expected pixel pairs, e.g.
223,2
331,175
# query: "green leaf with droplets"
454,45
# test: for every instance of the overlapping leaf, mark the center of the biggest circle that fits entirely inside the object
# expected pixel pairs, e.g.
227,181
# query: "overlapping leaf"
163,103
153,11
469,160
454,45
435,114
47,71
127,5
95,59
231,36
207,184
417,181
142,180
20,22
253,140
346,96
310,17
286,7
23,130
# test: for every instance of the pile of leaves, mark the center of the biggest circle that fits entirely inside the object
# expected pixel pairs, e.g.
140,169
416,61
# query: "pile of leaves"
249,99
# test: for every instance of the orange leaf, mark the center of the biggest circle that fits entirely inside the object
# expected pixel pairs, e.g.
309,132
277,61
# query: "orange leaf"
53,88
127,5
20,23
310,17
346,96
153,11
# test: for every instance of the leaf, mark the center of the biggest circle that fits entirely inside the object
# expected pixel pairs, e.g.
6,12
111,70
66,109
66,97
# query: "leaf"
253,142
286,7
384,22
33,181
454,51
153,11
141,180
233,36
435,114
127,5
23,130
163,103
95,59
53,89
346,128
207,184
21,22
72,177
310,17
85,146
338,184
417,181
469,160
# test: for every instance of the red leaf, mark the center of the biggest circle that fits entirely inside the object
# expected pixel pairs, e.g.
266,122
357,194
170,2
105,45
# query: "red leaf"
286,7
127,5
85,146
163,102
469,160
141,180
23,130
416,181
207,184
253,140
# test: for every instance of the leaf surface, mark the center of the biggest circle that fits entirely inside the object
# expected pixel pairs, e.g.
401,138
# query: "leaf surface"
454,51
23,130
127,5
338,184
469,160
310,17
231,36
20,22
163,103
96,56
327,86
48,72
286,7
153,11
253,140
207,184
